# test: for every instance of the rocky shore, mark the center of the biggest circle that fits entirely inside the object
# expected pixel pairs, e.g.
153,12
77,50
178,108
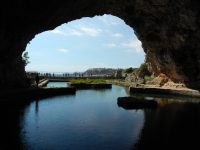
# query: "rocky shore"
160,85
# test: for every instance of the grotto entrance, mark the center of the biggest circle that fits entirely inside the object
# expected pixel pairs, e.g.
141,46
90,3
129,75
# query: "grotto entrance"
102,44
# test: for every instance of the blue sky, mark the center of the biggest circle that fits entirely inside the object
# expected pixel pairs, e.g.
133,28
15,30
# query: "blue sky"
98,42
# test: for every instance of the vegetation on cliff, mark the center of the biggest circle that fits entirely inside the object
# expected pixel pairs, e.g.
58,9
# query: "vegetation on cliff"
25,58
142,73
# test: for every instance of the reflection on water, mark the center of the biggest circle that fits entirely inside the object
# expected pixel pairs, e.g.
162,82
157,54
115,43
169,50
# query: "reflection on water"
57,84
10,126
171,126
91,119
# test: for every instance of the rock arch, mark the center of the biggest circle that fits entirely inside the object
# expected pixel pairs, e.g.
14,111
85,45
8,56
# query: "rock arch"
168,29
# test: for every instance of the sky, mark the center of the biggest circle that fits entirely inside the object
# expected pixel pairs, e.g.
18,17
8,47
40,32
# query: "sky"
98,42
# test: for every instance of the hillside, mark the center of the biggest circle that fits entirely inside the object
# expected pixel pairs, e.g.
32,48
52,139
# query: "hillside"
100,72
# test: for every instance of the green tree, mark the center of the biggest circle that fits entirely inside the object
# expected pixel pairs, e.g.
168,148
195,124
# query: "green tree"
143,71
129,70
25,58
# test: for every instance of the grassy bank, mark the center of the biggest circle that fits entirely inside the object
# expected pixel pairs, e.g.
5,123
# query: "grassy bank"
88,81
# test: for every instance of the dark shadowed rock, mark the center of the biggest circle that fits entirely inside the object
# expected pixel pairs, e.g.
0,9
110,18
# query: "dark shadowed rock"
169,31
135,103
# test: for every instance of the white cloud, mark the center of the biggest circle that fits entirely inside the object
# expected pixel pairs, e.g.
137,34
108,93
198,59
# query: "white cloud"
114,23
73,32
68,32
79,30
56,31
90,31
133,46
63,50
117,35
130,46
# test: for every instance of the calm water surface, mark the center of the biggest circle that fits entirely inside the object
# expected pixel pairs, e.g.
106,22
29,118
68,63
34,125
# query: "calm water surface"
92,120
57,84
89,120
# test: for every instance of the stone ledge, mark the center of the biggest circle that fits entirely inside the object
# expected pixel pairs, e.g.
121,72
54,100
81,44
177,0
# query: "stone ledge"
43,83
165,91
36,93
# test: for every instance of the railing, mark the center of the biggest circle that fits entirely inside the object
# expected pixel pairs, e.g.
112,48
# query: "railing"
56,75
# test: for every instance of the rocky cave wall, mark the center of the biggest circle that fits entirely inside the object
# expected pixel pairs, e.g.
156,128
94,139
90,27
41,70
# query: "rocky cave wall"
168,29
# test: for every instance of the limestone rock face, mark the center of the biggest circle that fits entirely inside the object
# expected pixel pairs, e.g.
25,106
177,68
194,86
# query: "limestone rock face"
169,31
160,80
133,80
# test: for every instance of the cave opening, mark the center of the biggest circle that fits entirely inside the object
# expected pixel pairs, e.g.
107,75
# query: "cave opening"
104,41
161,26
